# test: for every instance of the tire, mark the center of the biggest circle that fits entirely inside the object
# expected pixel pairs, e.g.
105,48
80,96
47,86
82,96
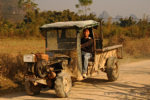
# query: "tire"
63,85
41,69
112,69
31,89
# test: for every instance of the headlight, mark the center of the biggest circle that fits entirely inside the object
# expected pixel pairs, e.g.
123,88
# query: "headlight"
29,58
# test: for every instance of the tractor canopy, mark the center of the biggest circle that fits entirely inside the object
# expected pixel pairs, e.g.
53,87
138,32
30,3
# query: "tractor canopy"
70,24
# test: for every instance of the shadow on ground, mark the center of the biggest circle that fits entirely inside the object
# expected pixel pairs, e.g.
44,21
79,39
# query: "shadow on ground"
119,90
101,87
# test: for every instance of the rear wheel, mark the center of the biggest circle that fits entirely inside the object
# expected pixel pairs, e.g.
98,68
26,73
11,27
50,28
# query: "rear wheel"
31,89
112,69
63,85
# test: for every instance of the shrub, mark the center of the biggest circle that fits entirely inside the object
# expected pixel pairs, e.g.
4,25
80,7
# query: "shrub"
127,32
11,65
132,46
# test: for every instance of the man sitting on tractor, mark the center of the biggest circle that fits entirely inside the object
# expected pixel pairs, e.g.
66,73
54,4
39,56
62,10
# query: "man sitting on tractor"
86,45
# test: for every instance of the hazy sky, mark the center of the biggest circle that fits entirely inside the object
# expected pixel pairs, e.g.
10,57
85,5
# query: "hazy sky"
113,7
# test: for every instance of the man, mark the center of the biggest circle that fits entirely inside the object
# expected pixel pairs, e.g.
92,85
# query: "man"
86,45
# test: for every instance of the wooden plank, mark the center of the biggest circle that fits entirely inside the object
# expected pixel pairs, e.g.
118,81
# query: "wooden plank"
109,48
101,57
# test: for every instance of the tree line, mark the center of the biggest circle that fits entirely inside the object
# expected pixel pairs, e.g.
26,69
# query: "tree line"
33,19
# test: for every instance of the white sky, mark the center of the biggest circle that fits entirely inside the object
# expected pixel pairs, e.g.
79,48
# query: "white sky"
112,7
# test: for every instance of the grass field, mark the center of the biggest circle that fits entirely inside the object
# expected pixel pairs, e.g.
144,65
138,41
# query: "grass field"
23,46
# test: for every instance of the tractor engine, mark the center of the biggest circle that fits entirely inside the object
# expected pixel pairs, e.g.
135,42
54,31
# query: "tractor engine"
42,66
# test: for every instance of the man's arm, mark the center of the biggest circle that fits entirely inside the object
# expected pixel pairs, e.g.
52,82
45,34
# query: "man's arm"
87,44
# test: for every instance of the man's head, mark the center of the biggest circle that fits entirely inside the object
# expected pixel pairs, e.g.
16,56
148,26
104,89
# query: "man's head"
86,33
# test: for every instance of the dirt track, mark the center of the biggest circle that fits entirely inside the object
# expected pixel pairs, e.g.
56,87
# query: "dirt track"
133,84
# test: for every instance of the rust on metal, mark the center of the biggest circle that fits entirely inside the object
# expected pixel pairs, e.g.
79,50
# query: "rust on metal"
49,83
51,75
42,56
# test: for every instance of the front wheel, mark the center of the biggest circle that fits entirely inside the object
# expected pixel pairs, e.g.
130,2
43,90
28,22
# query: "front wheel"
63,85
41,69
112,69
31,89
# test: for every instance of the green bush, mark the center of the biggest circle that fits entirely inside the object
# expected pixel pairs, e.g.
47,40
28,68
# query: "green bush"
127,32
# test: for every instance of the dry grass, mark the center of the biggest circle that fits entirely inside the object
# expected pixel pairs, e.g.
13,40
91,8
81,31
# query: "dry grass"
138,47
12,68
24,46
133,48
9,86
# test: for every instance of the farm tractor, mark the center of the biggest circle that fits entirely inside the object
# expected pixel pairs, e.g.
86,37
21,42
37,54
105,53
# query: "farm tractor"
61,64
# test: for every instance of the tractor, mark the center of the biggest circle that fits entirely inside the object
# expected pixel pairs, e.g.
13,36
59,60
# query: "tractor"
62,64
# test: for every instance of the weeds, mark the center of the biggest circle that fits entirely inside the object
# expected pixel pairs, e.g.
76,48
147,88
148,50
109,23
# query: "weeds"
12,70
132,46
10,65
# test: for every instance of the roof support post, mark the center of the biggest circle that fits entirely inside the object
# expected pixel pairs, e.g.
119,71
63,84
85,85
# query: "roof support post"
101,34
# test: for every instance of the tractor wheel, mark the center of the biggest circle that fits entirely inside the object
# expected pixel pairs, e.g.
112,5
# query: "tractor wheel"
41,69
112,69
63,85
31,89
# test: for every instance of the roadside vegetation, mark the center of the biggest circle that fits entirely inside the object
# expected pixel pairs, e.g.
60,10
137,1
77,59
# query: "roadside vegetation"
12,67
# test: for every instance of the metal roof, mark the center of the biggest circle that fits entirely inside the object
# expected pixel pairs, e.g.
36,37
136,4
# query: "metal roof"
71,24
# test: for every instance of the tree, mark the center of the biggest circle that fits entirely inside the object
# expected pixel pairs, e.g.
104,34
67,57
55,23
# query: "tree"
28,5
83,4
126,22
30,8
109,22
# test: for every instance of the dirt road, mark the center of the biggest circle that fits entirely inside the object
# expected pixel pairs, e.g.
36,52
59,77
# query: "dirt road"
133,84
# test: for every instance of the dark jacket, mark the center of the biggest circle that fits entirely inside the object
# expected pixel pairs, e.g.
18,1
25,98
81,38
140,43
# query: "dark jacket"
87,44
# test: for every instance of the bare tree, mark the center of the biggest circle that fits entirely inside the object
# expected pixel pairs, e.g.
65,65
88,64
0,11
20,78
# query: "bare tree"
83,6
